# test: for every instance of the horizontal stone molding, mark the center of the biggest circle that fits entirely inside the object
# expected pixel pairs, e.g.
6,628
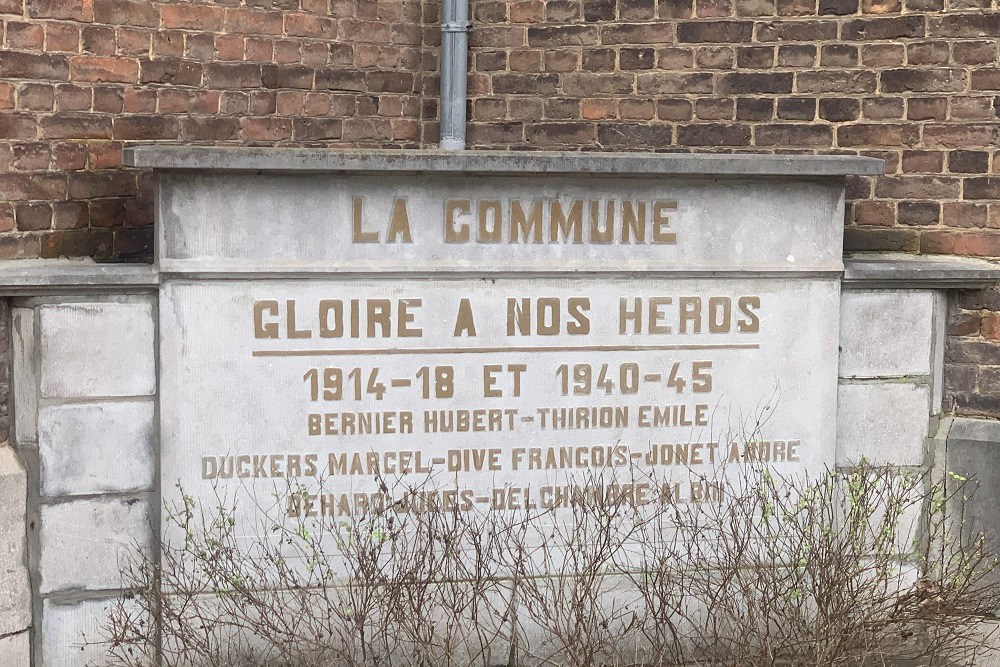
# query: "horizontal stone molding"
643,165
898,270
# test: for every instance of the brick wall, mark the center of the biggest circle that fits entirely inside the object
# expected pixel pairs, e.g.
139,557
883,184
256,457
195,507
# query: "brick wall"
81,78
912,81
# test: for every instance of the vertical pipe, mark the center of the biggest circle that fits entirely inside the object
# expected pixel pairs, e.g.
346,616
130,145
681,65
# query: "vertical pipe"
454,71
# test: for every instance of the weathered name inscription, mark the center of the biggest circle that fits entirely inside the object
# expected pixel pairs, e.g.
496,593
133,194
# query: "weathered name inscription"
502,342
500,393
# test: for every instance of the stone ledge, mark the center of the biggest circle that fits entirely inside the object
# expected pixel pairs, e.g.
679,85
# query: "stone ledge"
894,271
20,277
210,158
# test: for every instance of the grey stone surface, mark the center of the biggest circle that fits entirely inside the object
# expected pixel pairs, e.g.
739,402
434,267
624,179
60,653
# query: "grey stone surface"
883,422
886,333
96,350
898,270
72,633
43,276
15,650
96,448
25,378
494,162
973,452
720,226
84,542
15,593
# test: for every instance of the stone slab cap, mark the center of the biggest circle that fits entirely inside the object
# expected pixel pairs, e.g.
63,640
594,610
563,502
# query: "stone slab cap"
969,429
897,270
20,277
210,158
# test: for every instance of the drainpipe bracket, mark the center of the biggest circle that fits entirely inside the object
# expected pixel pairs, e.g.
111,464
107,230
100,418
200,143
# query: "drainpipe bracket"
456,26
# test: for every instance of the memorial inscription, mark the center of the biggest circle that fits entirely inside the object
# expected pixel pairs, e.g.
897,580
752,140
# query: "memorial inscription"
608,345
503,331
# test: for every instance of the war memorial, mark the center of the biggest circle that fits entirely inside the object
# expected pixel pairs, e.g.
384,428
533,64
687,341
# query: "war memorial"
502,330
576,332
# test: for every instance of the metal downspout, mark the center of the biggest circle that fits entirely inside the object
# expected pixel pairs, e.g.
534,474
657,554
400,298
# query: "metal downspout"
454,57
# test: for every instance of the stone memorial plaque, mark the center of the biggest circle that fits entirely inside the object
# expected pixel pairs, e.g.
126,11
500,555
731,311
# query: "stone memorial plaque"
503,390
499,336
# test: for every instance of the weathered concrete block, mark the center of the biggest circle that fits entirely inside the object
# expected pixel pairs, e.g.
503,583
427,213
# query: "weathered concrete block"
84,542
15,650
25,381
15,592
96,448
886,333
72,633
883,422
96,349
974,453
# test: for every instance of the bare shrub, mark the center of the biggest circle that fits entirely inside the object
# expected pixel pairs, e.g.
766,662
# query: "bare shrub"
858,565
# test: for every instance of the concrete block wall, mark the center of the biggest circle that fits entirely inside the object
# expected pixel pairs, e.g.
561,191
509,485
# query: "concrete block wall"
84,400
891,375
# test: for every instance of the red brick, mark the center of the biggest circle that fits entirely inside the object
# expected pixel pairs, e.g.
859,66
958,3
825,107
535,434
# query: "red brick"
877,135
918,213
637,33
884,28
39,186
877,239
711,134
978,24
189,16
99,69
266,129
128,12
664,83
76,126
964,214
90,185
317,129
964,324
33,217
793,135
674,109
735,32
131,127
874,213
69,156
577,35
245,21
171,71
62,37
962,135
18,65
96,243
976,244
923,161
531,11
74,10
797,31
306,25
25,36
17,126
918,187
836,81
923,80
755,83
561,134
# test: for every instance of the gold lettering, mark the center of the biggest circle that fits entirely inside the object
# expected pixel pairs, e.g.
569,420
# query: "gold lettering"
399,223
524,225
290,322
661,222
560,222
262,329
454,232
490,211
634,221
360,235
465,324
